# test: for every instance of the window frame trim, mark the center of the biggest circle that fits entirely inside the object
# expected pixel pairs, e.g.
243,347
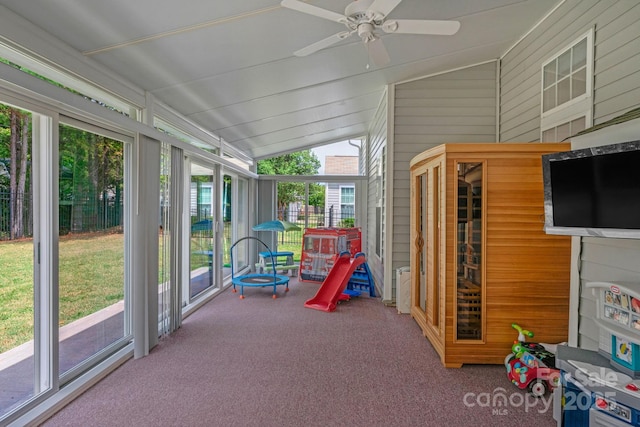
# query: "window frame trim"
578,106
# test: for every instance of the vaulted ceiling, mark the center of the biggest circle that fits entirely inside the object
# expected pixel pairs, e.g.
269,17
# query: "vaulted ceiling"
229,66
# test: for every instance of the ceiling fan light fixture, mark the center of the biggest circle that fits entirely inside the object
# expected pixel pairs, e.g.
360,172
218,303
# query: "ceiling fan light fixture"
365,31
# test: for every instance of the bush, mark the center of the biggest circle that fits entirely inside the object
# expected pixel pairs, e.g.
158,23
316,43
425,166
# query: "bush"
347,223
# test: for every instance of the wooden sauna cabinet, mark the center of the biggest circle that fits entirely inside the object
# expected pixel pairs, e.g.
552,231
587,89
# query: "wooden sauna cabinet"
480,259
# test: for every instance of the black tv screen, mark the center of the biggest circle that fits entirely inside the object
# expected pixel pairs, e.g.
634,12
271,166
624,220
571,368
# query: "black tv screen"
593,191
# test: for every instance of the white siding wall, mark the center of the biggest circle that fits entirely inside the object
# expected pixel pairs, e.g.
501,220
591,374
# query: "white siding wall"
372,151
459,106
616,73
602,259
616,91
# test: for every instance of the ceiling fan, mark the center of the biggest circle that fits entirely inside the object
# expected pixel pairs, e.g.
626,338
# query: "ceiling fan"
364,18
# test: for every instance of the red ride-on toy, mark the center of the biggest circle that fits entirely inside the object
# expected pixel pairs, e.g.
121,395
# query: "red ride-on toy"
531,366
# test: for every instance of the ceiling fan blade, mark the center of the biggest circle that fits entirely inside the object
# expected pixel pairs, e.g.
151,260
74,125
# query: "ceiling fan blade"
415,26
378,52
313,10
383,7
324,43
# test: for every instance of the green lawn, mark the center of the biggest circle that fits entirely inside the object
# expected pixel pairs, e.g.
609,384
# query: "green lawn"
16,293
91,278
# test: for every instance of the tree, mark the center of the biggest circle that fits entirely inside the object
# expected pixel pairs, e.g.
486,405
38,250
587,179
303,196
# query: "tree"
299,163
18,123
91,169
316,195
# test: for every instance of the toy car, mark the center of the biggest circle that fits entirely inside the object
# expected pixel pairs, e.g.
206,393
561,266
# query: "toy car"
531,366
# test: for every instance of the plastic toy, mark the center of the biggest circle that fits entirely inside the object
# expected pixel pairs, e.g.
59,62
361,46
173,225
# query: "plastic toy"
531,366
257,279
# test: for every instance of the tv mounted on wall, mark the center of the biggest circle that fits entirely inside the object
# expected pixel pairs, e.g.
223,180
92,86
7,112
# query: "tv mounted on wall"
593,191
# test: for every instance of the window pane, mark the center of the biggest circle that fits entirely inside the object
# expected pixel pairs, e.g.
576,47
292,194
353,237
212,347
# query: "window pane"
202,237
469,316
578,125
17,368
347,195
580,54
564,90
549,98
549,135
228,221
242,215
91,248
549,74
564,64
579,83
563,131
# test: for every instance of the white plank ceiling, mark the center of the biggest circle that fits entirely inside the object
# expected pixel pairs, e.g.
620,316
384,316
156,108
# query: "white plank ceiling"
229,66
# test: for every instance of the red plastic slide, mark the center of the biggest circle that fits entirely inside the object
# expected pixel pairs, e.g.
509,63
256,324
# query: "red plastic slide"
336,282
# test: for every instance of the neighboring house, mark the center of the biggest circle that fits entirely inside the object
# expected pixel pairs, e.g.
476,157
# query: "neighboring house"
340,198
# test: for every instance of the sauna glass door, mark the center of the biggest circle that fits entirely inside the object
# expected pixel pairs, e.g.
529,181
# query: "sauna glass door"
419,283
469,256
426,290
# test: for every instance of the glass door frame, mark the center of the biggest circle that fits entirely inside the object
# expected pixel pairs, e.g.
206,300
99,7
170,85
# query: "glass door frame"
190,303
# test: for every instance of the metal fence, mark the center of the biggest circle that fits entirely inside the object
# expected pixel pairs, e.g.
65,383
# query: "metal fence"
5,215
312,217
83,214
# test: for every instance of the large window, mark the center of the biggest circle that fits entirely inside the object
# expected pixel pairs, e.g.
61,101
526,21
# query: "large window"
92,291
347,202
202,212
565,76
566,90
379,198
17,282
242,226
64,294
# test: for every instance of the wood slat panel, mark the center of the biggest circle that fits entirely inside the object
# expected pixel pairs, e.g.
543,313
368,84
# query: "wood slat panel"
526,272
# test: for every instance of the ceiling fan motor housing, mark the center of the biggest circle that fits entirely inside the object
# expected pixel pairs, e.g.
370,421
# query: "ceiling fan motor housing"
357,11
365,31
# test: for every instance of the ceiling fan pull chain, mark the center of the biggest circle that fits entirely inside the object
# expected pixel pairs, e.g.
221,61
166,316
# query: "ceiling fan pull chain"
368,55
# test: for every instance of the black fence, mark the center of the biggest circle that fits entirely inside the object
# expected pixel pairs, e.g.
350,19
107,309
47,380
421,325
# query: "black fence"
82,215
313,217
5,215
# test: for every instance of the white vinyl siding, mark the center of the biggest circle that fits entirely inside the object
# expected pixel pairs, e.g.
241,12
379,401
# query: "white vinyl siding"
459,106
616,90
373,151
616,81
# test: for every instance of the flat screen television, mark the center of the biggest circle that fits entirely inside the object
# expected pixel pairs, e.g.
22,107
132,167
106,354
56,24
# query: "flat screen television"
593,191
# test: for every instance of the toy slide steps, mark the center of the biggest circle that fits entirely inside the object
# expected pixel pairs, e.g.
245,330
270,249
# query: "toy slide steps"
336,282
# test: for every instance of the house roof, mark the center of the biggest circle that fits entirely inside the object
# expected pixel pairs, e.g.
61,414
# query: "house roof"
341,165
229,67
622,118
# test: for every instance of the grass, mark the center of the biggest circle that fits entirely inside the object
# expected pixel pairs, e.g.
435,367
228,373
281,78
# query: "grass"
91,278
91,274
16,293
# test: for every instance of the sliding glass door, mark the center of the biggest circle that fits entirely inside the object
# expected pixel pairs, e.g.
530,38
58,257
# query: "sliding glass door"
235,210
64,294
18,286
92,236
203,221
